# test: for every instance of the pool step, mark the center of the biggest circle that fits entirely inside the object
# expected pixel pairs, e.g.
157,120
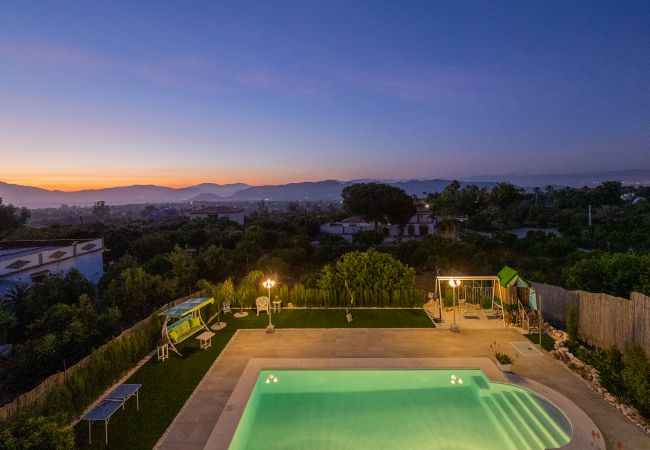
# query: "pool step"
531,437
482,385
504,425
548,422
531,419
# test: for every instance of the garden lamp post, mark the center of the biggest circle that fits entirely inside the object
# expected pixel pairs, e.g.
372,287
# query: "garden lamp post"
268,284
454,284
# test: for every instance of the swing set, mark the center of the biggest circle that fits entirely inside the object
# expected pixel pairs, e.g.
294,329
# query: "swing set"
184,321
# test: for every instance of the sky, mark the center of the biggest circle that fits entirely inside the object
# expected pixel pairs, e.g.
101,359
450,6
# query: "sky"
175,93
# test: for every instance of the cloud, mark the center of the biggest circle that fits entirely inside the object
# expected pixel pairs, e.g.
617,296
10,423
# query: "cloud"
432,85
281,82
185,73
444,84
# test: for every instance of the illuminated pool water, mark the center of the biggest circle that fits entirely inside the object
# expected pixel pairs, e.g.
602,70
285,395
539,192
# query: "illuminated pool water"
400,409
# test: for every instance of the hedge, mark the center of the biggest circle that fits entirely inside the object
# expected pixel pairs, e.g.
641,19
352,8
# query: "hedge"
300,296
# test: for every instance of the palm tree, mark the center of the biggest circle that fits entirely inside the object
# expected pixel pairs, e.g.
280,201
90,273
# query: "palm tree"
18,295
549,192
17,299
248,288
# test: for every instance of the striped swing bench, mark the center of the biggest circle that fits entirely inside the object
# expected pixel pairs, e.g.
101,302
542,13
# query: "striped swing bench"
184,321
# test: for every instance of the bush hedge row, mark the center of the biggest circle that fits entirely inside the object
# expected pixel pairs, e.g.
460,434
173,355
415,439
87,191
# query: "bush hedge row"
301,296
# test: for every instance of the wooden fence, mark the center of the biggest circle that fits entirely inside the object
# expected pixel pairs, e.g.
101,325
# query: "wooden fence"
555,301
603,320
36,399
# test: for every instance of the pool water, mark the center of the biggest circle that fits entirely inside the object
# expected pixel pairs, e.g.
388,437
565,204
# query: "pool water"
395,409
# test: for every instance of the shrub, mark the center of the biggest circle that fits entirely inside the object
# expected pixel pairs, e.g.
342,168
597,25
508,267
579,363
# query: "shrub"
503,358
610,370
38,432
448,299
636,376
572,322
486,302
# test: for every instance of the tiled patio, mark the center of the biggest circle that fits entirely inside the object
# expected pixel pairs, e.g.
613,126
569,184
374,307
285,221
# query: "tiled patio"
197,419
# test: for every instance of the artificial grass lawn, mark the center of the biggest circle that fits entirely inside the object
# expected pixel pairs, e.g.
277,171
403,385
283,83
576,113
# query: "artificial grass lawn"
166,386
548,343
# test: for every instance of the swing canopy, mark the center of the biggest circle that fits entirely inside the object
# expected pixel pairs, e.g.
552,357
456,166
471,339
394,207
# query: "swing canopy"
183,321
187,307
509,277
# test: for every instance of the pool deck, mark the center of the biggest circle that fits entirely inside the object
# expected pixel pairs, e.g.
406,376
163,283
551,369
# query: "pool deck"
196,421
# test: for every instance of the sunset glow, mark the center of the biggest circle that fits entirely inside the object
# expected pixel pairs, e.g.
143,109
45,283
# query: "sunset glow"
181,96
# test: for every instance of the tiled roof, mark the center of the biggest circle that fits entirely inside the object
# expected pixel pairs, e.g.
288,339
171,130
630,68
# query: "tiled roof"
17,264
58,254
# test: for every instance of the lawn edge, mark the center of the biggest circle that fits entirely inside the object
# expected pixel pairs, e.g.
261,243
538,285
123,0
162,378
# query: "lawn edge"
196,388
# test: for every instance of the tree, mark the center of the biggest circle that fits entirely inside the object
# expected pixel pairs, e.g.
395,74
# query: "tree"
470,200
11,218
184,269
504,196
377,202
607,193
61,289
216,262
249,287
272,264
101,211
368,238
136,293
447,202
228,291
149,211
615,274
537,191
371,270
43,433
7,321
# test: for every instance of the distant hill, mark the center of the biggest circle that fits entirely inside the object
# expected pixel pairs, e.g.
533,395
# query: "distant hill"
222,190
634,176
317,190
41,198
331,189
207,197
307,191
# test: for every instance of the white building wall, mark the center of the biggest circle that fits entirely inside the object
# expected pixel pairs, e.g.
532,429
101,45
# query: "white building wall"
89,262
331,228
91,265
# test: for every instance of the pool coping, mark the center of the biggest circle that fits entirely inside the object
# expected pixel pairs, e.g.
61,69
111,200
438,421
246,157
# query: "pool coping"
585,432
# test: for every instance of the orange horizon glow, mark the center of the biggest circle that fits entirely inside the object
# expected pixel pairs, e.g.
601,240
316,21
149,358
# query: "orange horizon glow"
73,185
75,182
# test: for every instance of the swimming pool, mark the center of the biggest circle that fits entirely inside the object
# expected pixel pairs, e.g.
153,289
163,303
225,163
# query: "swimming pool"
395,408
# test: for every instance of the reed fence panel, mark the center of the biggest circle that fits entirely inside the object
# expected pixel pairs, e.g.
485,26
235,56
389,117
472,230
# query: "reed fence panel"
603,320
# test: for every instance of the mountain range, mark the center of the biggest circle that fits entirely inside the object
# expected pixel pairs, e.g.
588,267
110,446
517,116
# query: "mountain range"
33,197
